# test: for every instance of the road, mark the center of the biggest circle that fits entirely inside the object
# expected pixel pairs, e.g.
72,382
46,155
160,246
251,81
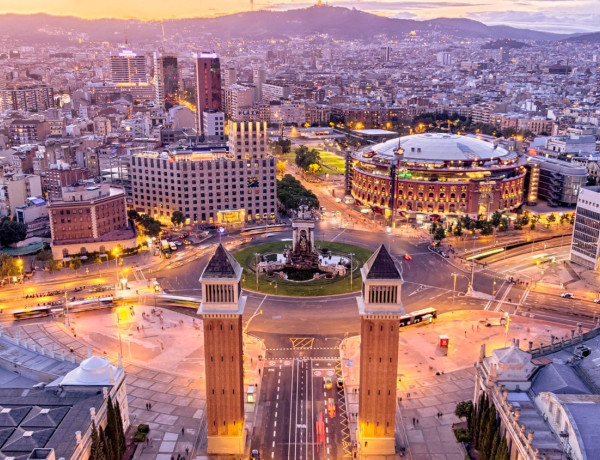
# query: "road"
292,410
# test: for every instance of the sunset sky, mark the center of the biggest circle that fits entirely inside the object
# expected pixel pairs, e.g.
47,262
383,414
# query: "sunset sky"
549,15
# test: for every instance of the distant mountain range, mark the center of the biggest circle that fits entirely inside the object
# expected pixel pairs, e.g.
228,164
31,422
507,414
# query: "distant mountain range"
338,22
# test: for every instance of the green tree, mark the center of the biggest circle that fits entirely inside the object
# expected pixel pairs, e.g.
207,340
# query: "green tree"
75,264
54,265
314,168
11,232
133,215
532,226
285,144
8,266
178,218
97,448
44,255
291,193
281,165
551,218
504,223
439,233
496,218
458,229
305,157
487,228
463,409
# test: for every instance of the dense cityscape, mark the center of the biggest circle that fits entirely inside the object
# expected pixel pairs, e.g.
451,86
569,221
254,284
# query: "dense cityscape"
314,233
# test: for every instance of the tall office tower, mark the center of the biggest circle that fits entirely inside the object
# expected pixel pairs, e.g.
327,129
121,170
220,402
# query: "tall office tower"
229,76
385,53
208,84
585,246
259,77
128,68
380,309
221,309
166,79
504,55
170,78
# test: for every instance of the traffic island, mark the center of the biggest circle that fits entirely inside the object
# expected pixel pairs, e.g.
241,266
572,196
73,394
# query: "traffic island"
250,257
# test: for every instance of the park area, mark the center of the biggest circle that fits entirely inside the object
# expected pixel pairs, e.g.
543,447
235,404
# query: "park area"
280,286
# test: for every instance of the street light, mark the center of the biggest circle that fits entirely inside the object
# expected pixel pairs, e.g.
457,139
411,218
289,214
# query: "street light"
245,329
507,316
116,253
351,273
256,255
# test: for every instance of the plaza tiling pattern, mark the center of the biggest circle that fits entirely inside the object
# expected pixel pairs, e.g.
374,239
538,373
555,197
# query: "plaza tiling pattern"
173,405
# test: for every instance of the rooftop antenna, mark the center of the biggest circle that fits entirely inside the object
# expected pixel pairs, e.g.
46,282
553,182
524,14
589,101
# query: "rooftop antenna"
251,5
162,26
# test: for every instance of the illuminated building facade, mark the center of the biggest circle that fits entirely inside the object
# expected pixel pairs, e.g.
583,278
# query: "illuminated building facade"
221,309
585,247
380,308
439,173
128,68
222,185
170,78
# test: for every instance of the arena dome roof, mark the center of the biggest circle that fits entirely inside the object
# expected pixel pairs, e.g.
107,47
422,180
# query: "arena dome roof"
440,147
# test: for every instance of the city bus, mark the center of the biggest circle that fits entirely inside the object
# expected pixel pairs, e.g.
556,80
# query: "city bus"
264,229
91,304
37,312
427,314
179,301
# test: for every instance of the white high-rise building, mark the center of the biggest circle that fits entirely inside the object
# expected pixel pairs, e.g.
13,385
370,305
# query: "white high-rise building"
259,77
585,247
128,68
214,125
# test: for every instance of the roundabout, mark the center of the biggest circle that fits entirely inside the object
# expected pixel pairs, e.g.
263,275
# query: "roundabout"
253,280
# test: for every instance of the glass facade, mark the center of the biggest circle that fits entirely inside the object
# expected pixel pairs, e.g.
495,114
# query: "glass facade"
586,237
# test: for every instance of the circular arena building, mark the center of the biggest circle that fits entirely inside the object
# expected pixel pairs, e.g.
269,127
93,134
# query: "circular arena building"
439,173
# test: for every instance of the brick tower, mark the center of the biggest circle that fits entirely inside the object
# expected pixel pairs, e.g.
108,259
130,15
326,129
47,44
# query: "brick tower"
221,309
380,308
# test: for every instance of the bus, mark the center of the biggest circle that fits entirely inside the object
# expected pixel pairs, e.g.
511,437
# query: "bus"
37,312
265,229
427,314
91,304
179,301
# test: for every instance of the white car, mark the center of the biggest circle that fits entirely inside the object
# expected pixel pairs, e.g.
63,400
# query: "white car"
567,295
596,300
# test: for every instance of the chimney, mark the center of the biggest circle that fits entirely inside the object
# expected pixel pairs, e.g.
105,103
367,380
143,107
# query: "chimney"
78,437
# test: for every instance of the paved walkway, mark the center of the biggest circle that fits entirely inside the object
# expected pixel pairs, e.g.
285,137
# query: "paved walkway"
431,381
159,371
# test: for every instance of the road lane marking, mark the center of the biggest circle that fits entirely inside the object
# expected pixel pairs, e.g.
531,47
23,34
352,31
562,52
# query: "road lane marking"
273,444
275,424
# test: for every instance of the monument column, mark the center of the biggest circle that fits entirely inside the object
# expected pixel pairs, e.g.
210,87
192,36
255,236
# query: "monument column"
380,308
221,309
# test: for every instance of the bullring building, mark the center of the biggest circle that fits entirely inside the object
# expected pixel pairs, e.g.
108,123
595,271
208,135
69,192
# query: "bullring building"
439,173
222,185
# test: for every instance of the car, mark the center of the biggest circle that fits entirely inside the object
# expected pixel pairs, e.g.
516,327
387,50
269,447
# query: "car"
167,255
596,300
178,243
331,407
340,383
323,209
327,383
254,455
186,242
407,257
567,295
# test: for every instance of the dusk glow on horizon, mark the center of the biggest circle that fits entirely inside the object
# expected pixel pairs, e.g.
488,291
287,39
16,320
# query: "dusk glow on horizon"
556,16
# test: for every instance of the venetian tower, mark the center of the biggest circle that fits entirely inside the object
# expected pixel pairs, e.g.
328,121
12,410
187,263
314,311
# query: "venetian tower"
380,308
221,309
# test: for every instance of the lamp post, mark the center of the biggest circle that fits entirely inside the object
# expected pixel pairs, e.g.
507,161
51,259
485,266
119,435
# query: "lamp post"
66,308
507,316
257,256
119,332
116,253
245,329
351,273
469,287
20,265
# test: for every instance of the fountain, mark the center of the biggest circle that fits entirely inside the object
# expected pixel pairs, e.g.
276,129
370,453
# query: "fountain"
303,262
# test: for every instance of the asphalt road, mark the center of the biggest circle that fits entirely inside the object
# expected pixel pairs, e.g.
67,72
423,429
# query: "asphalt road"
292,414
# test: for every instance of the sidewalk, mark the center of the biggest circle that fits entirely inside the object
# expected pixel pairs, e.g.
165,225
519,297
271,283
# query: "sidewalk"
159,371
429,381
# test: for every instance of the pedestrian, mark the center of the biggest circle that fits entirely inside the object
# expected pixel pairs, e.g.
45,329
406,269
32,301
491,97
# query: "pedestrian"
465,333
408,395
472,327
187,451
417,421
182,431
413,421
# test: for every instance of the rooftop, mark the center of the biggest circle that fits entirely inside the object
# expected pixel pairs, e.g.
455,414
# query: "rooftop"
381,266
441,147
222,265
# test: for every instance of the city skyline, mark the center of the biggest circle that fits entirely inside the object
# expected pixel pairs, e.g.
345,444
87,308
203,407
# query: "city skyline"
556,16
